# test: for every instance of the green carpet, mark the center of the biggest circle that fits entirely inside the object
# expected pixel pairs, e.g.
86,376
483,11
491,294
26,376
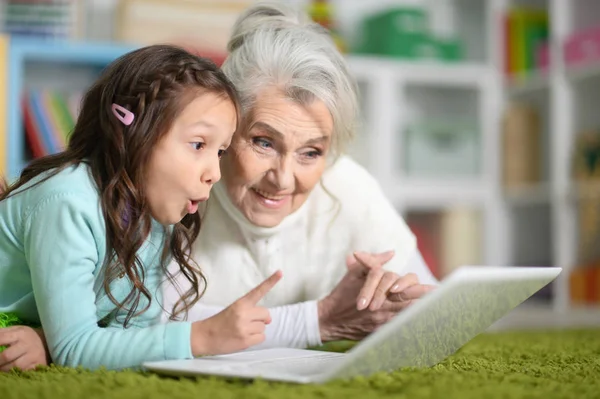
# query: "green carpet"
558,364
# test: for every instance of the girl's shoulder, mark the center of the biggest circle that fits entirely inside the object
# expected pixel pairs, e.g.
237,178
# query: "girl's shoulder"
76,179
73,185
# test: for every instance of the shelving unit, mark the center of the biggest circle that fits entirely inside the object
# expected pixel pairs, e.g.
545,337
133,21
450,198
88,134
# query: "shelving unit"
531,225
395,93
47,63
556,98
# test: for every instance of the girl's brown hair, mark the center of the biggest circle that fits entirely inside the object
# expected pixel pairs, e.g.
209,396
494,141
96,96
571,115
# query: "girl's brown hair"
155,83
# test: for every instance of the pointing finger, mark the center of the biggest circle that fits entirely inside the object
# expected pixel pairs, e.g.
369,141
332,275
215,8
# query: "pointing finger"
257,293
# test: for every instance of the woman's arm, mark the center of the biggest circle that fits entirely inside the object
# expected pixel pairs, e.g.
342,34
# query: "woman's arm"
297,325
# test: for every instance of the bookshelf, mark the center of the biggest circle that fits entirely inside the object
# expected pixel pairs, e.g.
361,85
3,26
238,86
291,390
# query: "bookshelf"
404,100
46,63
394,94
536,223
562,95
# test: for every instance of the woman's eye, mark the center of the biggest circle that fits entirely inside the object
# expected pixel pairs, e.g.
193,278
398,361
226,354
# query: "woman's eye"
263,143
197,146
313,154
222,153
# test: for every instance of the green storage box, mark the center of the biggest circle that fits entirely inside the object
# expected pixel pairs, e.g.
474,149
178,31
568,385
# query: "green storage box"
405,33
441,148
449,50
398,31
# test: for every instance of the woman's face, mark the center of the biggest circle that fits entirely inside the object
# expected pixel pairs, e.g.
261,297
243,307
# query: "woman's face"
278,157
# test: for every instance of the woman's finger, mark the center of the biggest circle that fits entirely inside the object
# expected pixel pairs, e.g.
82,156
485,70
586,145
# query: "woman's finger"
415,291
373,260
384,257
397,307
366,262
368,289
363,262
381,291
404,282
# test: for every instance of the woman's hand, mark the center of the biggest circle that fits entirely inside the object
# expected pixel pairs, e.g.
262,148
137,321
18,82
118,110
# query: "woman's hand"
381,285
344,315
26,348
239,326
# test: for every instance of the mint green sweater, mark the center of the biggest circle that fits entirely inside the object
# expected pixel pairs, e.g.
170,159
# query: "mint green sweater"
52,251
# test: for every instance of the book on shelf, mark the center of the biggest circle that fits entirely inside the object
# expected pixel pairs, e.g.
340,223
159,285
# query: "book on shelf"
584,284
526,34
42,18
586,175
202,27
447,239
425,228
521,146
585,278
49,118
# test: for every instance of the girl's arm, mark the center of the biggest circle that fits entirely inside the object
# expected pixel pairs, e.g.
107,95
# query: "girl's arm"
292,326
64,242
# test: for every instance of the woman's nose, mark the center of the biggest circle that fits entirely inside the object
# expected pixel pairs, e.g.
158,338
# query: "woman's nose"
283,174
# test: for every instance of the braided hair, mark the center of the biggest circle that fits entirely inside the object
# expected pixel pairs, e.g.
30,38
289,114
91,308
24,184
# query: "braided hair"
155,83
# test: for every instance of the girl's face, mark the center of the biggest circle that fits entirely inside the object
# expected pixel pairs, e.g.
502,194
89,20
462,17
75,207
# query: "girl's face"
185,163
278,157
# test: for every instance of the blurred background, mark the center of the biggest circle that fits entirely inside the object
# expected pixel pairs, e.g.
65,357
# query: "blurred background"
479,118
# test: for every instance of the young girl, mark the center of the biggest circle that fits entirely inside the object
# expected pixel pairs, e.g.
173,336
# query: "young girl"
86,234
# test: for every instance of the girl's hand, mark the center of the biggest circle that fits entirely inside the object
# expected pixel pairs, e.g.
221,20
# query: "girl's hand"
237,327
26,348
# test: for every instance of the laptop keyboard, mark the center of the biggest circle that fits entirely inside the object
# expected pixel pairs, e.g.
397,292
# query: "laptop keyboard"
309,365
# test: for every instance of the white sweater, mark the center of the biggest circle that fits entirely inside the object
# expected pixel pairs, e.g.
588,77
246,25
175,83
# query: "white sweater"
347,212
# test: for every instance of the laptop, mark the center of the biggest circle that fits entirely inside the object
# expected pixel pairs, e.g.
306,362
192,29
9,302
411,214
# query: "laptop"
464,305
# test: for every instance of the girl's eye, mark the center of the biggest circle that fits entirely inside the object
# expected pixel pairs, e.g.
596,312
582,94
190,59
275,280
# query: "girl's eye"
197,146
222,153
261,142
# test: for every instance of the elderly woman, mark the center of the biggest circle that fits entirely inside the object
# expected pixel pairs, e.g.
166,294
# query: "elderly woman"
290,200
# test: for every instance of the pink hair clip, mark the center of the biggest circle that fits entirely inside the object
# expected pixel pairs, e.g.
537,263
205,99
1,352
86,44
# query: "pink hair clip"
123,114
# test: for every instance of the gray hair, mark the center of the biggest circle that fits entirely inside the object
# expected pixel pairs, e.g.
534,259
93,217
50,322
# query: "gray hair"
275,45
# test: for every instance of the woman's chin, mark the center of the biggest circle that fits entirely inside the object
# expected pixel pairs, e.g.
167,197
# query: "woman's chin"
264,219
